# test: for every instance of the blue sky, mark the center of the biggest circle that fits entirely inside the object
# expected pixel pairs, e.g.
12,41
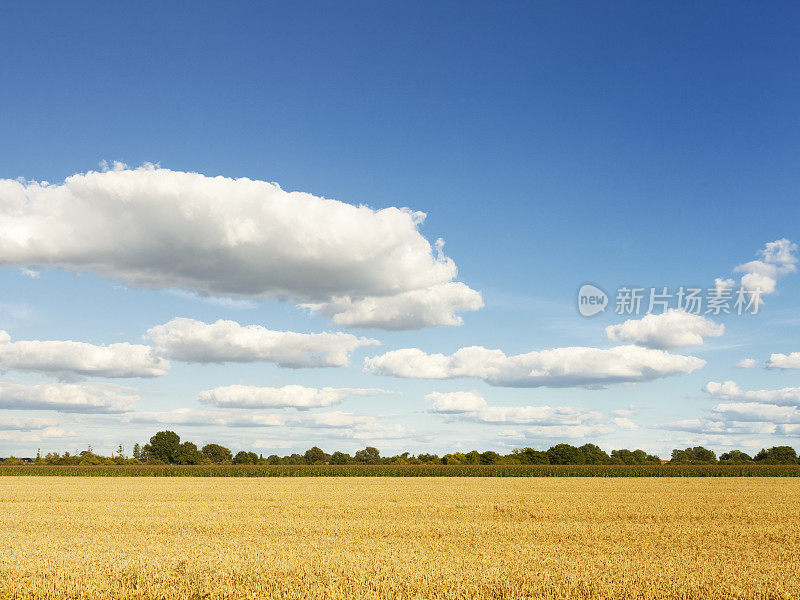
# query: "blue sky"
549,145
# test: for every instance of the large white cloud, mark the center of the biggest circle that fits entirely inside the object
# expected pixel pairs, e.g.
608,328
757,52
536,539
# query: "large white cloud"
288,396
157,228
69,359
784,361
560,367
228,341
66,397
670,329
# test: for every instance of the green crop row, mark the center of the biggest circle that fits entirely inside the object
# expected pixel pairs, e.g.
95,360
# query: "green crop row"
746,470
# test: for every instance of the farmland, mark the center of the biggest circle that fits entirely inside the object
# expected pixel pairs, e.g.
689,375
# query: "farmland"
387,537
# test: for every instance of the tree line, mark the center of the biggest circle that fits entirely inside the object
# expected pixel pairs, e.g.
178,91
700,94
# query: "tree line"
165,447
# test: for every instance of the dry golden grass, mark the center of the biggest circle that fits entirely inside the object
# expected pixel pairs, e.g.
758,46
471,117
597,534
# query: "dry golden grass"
399,538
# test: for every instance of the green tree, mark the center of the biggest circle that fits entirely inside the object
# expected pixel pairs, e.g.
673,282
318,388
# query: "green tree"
368,456
188,454
340,458
245,458
217,454
489,458
472,457
564,454
736,457
529,456
316,456
163,446
454,458
693,456
594,455
137,451
428,458
777,455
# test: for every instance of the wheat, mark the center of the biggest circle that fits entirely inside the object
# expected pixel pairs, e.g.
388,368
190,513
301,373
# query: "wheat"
348,538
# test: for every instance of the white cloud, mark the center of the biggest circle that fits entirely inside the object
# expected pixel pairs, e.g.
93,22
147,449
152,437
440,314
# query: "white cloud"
560,367
223,301
542,421
69,359
156,228
32,273
784,361
756,411
24,424
671,329
248,419
743,418
36,435
288,396
745,363
415,309
715,427
227,341
456,402
565,432
777,260
191,417
77,398
761,412
731,391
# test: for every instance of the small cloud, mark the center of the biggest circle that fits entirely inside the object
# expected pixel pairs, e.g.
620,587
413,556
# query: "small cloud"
32,273
746,363
223,301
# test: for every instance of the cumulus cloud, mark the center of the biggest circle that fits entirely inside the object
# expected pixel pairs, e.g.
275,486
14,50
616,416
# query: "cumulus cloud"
227,341
456,402
415,309
784,361
761,276
541,421
745,363
560,367
729,390
69,359
288,396
743,418
670,329
763,412
68,397
157,228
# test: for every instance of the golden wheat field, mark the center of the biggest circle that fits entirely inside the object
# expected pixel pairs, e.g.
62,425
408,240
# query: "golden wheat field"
399,538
